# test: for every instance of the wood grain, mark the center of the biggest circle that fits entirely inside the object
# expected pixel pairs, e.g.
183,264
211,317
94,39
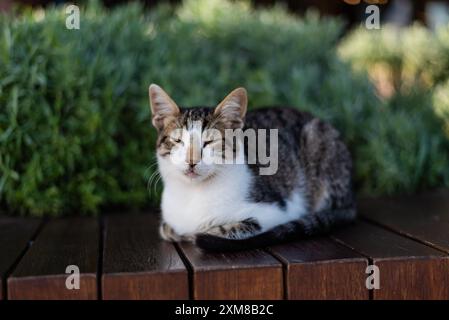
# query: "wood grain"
320,268
15,237
41,272
243,275
408,269
138,264
423,217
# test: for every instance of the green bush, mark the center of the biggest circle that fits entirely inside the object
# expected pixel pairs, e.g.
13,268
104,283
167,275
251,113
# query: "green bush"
75,129
68,99
413,56
408,144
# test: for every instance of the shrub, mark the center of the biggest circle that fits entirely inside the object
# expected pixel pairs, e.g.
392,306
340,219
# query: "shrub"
75,129
408,142
74,126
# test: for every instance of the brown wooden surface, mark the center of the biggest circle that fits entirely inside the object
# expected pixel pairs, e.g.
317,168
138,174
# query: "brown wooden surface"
408,269
15,236
138,264
406,237
243,275
423,217
322,269
41,272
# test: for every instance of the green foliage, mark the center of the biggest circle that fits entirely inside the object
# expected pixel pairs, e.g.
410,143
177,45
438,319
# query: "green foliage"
415,56
407,143
74,123
75,129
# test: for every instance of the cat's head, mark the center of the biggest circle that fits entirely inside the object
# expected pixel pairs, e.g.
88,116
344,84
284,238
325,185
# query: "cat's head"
191,142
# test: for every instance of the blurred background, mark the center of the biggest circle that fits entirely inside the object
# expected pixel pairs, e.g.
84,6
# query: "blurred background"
399,12
75,129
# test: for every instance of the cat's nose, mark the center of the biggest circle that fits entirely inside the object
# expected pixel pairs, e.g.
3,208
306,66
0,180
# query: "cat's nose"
192,165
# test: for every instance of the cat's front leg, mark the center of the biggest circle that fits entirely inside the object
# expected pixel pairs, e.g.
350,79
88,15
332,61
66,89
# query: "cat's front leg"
169,234
236,230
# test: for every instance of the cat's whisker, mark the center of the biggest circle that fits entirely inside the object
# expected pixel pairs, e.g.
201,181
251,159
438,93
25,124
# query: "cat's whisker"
155,184
151,166
152,163
151,179
152,176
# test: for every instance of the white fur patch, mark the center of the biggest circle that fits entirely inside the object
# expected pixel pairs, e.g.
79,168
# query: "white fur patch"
189,206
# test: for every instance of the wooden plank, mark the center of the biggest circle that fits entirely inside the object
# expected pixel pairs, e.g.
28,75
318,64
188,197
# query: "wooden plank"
408,269
242,275
138,264
424,217
320,268
41,272
15,236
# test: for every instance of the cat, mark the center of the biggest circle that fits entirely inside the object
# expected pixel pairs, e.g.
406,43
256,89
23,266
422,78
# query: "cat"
224,206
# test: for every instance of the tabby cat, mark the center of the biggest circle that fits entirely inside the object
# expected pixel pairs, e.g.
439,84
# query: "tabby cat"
229,205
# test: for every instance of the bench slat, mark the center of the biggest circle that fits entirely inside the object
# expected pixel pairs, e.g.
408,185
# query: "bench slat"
138,264
322,269
15,236
41,272
408,269
242,275
422,217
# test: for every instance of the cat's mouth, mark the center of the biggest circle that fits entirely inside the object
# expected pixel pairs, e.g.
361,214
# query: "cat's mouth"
191,173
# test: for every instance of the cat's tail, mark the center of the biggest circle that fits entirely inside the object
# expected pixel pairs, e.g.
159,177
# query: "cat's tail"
309,225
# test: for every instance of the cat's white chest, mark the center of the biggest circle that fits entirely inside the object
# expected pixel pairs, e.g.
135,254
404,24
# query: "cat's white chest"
187,208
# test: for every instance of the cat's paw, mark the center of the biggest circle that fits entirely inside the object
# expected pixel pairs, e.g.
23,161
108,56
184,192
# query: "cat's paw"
236,230
169,234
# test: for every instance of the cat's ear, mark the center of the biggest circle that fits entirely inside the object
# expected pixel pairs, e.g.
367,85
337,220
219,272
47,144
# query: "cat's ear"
232,109
163,108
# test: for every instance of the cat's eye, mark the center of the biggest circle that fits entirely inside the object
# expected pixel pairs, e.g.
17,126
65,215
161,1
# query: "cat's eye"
175,140
205,143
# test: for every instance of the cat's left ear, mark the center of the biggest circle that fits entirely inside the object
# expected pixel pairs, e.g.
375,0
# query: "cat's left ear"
232,109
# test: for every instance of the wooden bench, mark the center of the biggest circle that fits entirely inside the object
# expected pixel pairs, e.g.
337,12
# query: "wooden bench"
120,256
